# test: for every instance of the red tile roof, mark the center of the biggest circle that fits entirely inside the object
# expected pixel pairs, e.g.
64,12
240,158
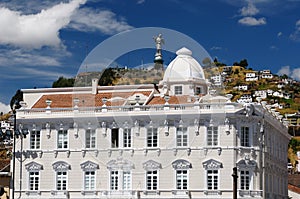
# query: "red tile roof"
85,100
181,99
294,188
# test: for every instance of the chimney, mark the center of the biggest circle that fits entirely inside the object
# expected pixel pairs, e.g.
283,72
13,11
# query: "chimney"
95,85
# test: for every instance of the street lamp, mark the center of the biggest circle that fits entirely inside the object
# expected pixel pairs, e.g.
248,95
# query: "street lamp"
14,152
16,134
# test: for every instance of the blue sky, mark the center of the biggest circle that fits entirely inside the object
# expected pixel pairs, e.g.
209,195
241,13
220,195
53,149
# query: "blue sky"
42,40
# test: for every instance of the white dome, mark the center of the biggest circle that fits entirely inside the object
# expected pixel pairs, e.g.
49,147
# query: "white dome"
184,67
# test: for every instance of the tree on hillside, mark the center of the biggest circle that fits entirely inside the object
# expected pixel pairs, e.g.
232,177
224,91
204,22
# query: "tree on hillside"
107,78
217,63
284,76
243,63
63,82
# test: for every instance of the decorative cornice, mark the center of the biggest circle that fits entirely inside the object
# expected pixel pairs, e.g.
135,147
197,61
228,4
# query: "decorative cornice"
120,164
61,166
33,167
151,165
181,164
89,166
246,164
212,164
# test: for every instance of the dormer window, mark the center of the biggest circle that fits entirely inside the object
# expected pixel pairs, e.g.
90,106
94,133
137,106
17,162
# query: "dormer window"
197,90
178,90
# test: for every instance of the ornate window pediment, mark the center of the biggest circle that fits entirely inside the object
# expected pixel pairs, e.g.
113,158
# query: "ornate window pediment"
212,164
246,164
89,166
61,166
181,164
33,167
151,165
120,164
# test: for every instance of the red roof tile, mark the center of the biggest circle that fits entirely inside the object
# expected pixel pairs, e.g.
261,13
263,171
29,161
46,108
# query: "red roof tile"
85,100
181,99
294,188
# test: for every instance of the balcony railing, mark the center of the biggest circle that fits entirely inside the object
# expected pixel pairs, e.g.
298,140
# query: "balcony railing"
130,108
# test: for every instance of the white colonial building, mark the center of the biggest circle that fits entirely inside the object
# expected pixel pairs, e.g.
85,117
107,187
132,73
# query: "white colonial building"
172,140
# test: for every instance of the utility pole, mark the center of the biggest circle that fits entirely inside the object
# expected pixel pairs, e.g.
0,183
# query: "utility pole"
235,177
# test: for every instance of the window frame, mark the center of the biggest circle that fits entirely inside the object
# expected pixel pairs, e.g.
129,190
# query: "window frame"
214,135
178,90
91,186
212,188
33,185
127,138
198,90
60,177
116,138
114,180
246,182
152,180
182,135
65,138
150,140
245,140
91,135
35,140
126,180
117,180
182,178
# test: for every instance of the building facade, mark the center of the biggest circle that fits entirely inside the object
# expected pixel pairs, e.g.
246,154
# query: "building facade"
174,140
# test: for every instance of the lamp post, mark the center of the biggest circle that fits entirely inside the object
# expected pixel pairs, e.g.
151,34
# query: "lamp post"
235,177
14,153
16,134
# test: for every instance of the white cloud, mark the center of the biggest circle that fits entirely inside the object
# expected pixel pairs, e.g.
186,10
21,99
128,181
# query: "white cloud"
104,21
29,6
284,70
296,34
296,74
36,30
216,48
141,1
4,108
293,73
251,21
249,10
279,34
43,73
274,47
248,15
10,57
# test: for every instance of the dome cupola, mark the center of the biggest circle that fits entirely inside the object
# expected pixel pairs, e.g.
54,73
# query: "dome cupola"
184,76
184,67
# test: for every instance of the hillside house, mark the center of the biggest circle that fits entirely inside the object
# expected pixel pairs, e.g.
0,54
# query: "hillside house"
246,98
262,93
266,74
251,76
